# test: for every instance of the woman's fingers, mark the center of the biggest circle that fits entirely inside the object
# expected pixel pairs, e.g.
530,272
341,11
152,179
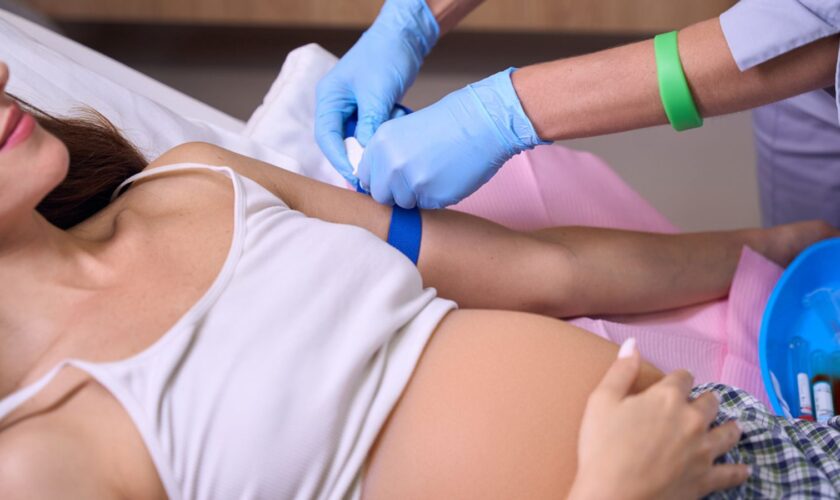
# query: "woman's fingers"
622,374
681,380
723,477
707,405
723,438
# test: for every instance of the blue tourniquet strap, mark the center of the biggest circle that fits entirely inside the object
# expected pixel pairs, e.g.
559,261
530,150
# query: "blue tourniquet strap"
406,231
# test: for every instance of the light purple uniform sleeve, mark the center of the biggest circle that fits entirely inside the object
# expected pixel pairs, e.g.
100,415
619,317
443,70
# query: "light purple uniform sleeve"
759,30
798,139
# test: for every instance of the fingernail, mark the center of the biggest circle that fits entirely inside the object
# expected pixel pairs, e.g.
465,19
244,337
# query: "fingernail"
749,470
627,348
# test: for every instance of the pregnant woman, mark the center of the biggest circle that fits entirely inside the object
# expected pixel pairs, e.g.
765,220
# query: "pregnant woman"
225,329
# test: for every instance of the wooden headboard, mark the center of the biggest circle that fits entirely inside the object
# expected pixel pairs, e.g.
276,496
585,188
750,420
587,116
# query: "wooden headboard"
585,16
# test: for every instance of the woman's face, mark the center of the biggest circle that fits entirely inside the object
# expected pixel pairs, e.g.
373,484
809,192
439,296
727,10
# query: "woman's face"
32,161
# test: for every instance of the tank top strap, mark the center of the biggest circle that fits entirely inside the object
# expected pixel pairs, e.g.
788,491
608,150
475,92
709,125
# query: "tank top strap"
173,168
14,400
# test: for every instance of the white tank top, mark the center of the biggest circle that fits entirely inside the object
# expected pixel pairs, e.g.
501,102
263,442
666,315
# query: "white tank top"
277,381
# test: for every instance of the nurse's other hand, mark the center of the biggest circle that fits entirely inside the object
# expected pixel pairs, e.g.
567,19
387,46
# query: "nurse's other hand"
441,154
654,444
372,76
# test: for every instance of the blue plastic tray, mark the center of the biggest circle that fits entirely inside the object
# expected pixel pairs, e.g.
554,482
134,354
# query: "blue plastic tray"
787,316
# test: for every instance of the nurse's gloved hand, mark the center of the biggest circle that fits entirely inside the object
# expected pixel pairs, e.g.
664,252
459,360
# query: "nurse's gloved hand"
434,157
373,75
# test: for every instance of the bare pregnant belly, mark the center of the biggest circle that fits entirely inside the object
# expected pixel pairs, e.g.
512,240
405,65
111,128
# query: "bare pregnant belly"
492,410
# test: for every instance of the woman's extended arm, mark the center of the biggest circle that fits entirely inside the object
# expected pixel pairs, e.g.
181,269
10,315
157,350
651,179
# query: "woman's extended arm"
630,271
616,89
560,272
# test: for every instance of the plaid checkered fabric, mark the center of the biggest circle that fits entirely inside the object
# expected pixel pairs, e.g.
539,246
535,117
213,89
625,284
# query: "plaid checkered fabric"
789,458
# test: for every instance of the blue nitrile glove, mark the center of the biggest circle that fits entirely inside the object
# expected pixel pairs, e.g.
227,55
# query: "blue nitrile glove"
373,75
439,155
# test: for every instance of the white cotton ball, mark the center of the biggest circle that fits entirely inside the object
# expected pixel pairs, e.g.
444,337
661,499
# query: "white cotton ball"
354,153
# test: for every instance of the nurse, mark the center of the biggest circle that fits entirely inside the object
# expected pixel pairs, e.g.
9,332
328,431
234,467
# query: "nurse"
758,52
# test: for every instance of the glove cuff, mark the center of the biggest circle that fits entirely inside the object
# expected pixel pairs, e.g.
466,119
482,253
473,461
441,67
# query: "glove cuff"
413,21
498,98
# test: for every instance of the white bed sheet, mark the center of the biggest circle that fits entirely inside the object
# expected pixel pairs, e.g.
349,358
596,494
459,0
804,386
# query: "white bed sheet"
118,73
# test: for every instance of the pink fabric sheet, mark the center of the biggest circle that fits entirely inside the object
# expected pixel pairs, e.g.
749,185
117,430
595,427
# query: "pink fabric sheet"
556,186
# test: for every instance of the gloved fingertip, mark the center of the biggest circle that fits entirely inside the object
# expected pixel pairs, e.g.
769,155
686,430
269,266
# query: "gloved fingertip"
371,117
365,131
403,201
337,154
380,192
426,203
328,132
363,174
406,205
384,200
403,194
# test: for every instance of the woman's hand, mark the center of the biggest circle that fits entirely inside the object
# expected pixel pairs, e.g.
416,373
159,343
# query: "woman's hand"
785,242
655,444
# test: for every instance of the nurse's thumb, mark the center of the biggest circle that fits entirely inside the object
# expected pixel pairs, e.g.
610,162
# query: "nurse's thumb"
372,114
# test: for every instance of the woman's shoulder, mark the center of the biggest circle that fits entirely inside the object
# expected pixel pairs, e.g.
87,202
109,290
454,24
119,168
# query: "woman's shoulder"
192,152
280,182
185,190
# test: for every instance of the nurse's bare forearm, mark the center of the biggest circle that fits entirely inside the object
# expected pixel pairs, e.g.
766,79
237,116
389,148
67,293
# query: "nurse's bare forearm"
450,12
616,89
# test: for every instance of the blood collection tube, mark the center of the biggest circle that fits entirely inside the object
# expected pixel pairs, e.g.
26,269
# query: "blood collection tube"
821,383
835,378
799,361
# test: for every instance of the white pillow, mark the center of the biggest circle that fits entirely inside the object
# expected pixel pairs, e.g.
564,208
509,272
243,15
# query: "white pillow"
58,75
285,121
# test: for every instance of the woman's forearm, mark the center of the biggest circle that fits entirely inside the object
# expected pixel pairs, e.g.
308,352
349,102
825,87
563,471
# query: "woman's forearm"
616,89
617,272
449,13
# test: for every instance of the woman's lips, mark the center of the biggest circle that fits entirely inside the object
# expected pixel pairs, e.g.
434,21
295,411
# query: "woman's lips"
21,130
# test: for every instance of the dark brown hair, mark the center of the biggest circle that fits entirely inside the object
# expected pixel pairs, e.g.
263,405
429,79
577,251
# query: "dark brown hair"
100,159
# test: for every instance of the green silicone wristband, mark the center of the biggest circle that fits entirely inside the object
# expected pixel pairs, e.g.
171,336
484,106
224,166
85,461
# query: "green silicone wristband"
673,87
